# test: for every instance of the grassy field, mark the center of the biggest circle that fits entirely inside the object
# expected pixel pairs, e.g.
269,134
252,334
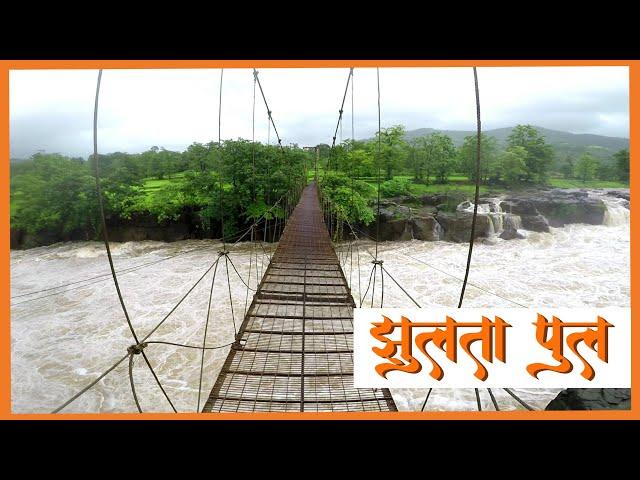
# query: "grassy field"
151,185
456,183
462,184
566,183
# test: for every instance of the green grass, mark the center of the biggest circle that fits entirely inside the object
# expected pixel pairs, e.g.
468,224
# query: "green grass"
151,185
567,183
456,184
460,184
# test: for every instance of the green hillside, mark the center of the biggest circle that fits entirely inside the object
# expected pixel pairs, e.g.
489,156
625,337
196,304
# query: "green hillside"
564,143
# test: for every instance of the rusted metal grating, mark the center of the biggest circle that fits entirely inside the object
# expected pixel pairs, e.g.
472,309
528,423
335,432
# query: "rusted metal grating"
294,350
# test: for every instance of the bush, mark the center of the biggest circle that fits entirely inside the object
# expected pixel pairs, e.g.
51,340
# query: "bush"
395,187
349,198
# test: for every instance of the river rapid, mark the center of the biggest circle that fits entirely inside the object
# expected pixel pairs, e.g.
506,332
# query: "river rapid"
64,337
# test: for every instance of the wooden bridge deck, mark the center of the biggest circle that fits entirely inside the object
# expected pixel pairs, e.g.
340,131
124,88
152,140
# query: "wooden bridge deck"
294,350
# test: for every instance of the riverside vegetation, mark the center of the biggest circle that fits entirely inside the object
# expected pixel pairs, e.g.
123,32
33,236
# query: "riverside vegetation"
169,195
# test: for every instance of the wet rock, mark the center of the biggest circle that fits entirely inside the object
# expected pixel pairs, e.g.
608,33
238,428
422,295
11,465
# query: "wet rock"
512,222
394,230
457,226
511,234
592,399
446,202
519,206
392,211
426,228
424,211
535,223
559,206
619,194
560,211
15,238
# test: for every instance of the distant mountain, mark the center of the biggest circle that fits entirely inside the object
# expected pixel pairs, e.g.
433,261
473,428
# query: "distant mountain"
565,143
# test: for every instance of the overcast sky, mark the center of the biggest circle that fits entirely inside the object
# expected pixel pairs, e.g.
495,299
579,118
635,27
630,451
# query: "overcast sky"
52,110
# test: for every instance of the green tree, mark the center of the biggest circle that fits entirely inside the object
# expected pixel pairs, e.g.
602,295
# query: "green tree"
489,165
412,160
621,159
539,154
349,199
607,172
513,165
586,167
568,167
200,157
55,194
361,161
392,149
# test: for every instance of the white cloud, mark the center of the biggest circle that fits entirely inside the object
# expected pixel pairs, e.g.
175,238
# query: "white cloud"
52,109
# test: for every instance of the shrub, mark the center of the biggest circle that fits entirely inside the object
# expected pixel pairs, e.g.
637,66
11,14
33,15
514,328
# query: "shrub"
395,187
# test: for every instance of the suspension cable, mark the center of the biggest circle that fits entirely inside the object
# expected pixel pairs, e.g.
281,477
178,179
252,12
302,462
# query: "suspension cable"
144,340
105,234
353,135
344,97
477,192
379,162
88,387
220,160
269,112
206,329
124,271
233,317
447,273
140,345
253,141
190,346
132,383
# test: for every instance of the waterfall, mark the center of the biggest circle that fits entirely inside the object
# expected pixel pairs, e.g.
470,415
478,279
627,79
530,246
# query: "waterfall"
483,208
616,213
437,231
492,229
492,209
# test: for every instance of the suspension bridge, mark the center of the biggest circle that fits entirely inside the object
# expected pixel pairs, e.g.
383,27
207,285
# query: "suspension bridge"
293,350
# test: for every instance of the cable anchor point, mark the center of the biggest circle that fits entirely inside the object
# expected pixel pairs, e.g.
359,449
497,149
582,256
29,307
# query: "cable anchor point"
136,349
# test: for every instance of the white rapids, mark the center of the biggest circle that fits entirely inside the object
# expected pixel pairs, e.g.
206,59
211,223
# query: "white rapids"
63,338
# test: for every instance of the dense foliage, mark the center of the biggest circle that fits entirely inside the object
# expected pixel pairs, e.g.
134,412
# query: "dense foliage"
57,194
349,197
525,158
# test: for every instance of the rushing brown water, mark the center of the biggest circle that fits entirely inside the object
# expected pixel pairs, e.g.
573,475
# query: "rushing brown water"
62,338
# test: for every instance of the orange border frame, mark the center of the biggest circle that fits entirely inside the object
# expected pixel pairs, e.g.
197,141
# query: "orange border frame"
5,337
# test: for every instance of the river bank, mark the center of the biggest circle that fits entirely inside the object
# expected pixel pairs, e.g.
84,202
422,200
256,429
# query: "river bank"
445,216
508,216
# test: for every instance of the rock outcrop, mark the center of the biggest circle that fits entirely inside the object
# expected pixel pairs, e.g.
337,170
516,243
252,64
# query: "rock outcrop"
426,228
558,206
592,399
457,226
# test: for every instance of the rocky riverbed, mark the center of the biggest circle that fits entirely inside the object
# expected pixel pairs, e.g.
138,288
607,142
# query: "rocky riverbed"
507,216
